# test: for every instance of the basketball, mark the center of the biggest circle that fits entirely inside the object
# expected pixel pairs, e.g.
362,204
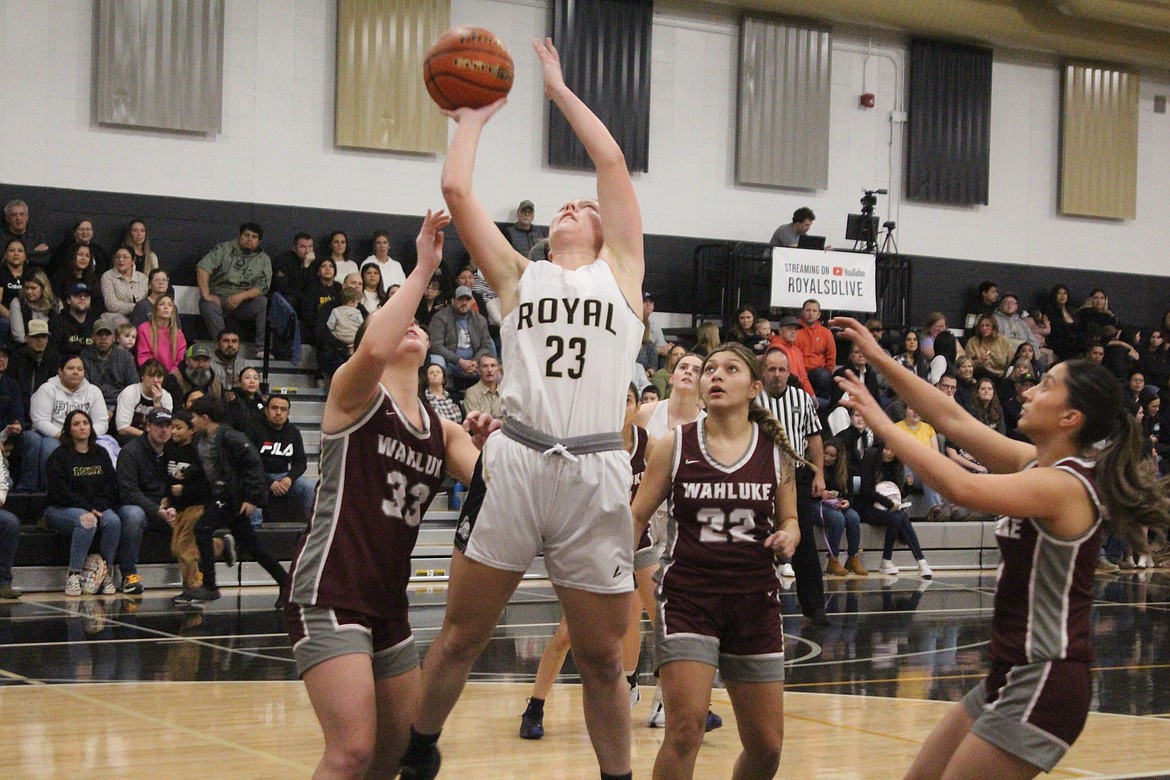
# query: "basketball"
467,67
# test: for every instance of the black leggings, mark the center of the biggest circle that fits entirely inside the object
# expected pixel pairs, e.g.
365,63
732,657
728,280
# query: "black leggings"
214,517
898,528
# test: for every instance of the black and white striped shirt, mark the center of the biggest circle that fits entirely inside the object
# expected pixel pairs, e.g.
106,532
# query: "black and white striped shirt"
797,412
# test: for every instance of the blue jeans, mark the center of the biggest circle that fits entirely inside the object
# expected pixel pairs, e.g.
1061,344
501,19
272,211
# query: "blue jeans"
133,526
898,528
9,538
836,521
67,520
300,494
35,449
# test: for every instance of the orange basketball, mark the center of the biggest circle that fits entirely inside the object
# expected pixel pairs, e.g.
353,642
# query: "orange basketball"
468,67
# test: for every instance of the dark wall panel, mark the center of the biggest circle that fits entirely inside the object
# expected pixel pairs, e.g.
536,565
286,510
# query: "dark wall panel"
949,149
605,53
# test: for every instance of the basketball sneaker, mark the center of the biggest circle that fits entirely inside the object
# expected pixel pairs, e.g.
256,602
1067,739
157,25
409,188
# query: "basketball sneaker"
132,585
635,691
421,766
924,570
229,549
713,721
657,719
888,567
532,721
786,570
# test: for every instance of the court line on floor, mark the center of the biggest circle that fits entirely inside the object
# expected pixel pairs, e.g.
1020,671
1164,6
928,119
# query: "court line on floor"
130,640
71,691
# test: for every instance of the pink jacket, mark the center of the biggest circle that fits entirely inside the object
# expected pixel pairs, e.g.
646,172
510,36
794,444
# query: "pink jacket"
163,355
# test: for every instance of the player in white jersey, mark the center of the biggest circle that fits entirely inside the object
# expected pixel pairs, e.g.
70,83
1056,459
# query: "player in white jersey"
557,478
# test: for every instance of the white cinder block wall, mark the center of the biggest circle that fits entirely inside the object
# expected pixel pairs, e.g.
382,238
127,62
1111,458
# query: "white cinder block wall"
276,144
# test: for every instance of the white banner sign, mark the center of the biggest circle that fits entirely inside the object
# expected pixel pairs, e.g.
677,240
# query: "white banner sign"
843,281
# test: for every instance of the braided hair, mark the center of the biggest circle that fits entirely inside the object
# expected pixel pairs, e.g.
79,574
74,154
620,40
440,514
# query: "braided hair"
768,424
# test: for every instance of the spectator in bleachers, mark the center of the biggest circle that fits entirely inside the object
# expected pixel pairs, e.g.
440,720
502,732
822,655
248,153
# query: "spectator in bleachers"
855,440
143,489
661,377
80,234
965,374
466,278
459,336
35,362
1155,359
818,348
949,384
985,303
282,451
435,393
1062,336
984,406
71,329
1121,353
108,368
924,432
127,338
431,302
765,339
137,238
946,355
12,275
743,328
12,410
989,350
51,402
16,225
657,337
346,318
226,361
1013,399
911,356
82,498
1095,353
483,291
158,285
35,302
1156,426
788,328
1093,317
1136,393
859,365
1027,353
320,291
707,338
9,536
123,286
525,236
1041,329
936,323
234,279
373,294
188,493
160,338
878,330
835,514
883,484
293,269
649,395
139,399
389,270
331,353
78,268
1011,324
238,485
484,395
244,402
193,373
339,253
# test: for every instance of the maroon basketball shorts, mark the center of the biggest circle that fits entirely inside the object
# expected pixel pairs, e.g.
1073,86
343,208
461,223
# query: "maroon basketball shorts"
1033,711
321,633
741,634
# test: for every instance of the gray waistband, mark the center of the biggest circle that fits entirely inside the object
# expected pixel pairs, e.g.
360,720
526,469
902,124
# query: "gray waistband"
574,445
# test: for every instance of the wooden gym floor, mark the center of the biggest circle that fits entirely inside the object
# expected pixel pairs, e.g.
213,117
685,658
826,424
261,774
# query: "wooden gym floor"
139,688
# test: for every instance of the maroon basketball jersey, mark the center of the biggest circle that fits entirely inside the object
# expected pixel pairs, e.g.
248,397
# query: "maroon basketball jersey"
720,515
1044,587
377,479
638,460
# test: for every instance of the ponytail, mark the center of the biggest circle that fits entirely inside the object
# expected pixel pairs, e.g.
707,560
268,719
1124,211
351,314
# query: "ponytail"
772,428
1134,497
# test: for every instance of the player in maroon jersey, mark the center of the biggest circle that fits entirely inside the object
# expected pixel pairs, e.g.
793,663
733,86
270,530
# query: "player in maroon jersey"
1085,463
729,480
383,453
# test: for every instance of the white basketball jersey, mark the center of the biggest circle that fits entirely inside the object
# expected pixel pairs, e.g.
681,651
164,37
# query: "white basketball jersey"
568,346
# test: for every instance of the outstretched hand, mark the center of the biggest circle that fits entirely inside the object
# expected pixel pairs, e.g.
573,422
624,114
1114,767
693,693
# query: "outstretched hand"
480,425
857,333
550,60
860,400
430,240
481,115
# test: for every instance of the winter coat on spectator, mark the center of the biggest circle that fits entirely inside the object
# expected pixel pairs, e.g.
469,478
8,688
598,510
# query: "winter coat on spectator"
142,476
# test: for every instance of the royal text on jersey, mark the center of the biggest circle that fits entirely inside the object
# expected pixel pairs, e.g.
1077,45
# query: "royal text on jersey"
589,312
397,451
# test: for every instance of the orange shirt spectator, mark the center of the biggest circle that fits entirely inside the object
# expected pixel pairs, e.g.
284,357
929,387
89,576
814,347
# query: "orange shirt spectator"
816,342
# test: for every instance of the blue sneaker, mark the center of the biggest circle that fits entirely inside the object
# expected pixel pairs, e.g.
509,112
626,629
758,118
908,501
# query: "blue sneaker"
713,721
532,723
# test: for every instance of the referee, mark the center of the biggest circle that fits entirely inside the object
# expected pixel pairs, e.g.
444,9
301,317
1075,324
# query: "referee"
797,412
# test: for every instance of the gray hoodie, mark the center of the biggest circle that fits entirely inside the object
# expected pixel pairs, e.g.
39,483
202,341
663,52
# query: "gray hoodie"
52,402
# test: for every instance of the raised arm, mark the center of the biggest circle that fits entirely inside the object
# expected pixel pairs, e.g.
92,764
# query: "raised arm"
355,384
494,256
655,485
616,198
995,451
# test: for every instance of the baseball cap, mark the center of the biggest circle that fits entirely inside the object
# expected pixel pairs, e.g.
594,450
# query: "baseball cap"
463,291
788,321
158,416
199,350
105,323
647,296
80,288
37,328
526,205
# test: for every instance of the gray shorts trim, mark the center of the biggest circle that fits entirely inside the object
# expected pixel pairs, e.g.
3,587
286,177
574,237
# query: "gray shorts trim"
705,650
647,556
325,638
1003,723
574,445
